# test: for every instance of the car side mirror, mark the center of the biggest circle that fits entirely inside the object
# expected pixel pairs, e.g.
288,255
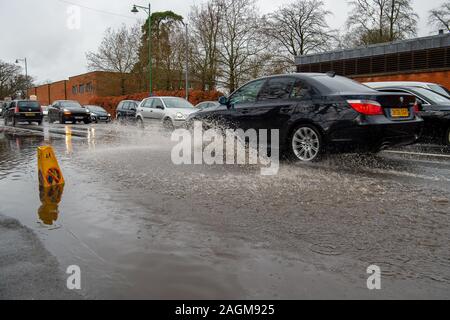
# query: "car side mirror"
160,107
133,109
223,101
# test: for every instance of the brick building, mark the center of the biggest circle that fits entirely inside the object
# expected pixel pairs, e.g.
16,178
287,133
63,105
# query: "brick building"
423,59
83,88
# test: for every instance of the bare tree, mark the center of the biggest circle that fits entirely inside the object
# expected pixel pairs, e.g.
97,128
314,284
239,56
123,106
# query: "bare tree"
377,21
300,28
240,42
440,17
205,21
118,52
12,81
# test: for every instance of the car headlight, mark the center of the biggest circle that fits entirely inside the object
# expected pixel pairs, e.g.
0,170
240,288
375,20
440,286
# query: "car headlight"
87,111
66,111
180,115
109,115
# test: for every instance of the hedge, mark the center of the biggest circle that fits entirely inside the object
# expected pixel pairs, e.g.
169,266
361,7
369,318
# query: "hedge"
195,97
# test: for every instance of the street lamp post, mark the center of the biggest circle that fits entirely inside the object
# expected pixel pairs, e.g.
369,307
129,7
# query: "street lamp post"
26,71
187,62
149,11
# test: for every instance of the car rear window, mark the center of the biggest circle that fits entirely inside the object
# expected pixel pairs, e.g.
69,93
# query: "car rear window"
439,90
327,84
34,105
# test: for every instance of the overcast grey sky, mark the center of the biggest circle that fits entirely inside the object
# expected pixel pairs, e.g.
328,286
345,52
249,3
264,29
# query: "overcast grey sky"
37,29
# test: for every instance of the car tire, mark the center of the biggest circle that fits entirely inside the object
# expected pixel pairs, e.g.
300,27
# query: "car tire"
86,121
140,123
6,121
305,144
39,123
14,122
62,121
447,137
168,125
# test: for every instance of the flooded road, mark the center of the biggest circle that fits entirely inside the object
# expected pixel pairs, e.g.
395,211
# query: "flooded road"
141,227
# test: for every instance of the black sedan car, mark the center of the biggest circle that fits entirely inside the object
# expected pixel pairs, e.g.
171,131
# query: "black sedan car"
434,109
126,111
23,111
68,111
98,114
317,112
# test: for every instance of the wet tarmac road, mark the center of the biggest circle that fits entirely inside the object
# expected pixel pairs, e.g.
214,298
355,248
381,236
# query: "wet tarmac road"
141,227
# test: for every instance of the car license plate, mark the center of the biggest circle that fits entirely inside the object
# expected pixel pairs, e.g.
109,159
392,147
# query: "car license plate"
28,114
400,113
78,118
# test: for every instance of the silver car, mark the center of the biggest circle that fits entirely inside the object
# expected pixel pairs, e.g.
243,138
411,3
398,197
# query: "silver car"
425,85
170,112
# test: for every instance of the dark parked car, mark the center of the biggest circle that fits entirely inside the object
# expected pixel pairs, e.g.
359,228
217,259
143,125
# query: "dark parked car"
3,105
98,114
434,109
126,110
317,112
23,111
68,111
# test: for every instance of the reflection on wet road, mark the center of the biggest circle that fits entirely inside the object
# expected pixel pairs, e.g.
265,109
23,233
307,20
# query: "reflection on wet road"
141,227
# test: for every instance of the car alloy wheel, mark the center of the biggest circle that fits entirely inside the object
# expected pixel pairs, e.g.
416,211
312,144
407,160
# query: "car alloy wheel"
168,125
140,123
447,137
306,143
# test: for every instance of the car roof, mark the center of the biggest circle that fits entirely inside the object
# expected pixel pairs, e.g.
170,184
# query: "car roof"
405,83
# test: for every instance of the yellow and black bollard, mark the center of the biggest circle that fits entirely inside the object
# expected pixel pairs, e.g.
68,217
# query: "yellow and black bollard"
51,185
49,172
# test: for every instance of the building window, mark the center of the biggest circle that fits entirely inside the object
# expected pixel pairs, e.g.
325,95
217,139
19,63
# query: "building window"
74,89
82,87
89,87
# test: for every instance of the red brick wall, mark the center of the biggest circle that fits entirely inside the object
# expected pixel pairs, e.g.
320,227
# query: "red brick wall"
103,84
83,79
46,96
440,77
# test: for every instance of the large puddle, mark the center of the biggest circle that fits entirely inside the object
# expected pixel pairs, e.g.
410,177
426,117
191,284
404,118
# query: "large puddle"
140,227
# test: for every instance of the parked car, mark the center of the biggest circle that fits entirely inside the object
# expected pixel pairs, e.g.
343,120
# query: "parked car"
68,111
4,107
434,109
126,110
316,112
207,104
98,114
44,110
1,108
171,112
23,111
425,85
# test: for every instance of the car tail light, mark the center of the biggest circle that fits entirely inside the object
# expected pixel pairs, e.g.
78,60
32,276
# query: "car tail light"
416,107
366,107
16,110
